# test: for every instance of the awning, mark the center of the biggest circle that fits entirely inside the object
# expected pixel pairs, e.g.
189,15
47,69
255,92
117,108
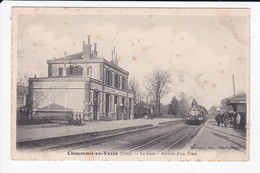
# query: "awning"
240,100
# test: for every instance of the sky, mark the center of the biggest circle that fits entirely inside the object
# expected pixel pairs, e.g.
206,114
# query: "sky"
200,48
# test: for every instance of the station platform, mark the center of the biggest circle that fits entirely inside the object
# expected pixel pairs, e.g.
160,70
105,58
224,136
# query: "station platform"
219,140
28,133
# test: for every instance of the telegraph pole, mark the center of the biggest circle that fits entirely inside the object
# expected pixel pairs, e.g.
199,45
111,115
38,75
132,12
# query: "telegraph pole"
234,89
147,108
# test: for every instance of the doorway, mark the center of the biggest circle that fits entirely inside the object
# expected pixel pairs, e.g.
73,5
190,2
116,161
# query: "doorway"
107,105
95,105
116,107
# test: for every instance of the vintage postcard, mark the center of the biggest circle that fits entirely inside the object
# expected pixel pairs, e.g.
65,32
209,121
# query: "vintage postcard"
161,84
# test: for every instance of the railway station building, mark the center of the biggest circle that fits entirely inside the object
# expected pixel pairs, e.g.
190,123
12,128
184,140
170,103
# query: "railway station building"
82,84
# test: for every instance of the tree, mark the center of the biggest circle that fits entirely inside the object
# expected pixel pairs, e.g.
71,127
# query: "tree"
165,109
174,106
158,86
213,111
140,96
133,85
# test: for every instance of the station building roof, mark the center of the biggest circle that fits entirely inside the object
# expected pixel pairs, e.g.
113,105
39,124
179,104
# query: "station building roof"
240,100
77,58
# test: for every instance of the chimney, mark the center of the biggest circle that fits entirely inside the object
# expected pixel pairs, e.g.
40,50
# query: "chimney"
65,68
83,47
114,57
87,49
94,52
114,51
88,39
115,61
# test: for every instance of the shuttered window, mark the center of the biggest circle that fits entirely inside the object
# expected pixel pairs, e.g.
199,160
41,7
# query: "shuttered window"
123,83
108,77
116,81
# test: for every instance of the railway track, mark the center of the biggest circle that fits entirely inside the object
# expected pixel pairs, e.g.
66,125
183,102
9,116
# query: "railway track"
86,144
175,135
175,141
92,141
77,138
163,140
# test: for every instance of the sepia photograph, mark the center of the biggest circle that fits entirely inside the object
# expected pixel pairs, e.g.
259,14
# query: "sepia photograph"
130,84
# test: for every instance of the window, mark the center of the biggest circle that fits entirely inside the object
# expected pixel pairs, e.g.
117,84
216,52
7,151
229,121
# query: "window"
108,77
119,79
89,71
123,83
21,100
50,70
116,80
105,76
60,71
76,71
112,79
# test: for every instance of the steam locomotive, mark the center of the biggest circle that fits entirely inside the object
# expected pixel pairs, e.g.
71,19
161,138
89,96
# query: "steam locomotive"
197,114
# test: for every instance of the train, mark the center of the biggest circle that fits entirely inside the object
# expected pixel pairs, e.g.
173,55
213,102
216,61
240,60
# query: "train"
197,114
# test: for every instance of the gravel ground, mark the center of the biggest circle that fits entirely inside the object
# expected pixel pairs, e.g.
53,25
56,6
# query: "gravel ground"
218,141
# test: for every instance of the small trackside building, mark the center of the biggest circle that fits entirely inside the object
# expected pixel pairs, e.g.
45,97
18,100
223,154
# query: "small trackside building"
83,84
239,106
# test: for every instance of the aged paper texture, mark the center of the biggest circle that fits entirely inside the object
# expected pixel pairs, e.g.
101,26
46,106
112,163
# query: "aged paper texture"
162,84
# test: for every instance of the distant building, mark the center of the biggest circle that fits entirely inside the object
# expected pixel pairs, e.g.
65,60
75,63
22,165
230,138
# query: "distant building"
21,95
142,110
82,84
